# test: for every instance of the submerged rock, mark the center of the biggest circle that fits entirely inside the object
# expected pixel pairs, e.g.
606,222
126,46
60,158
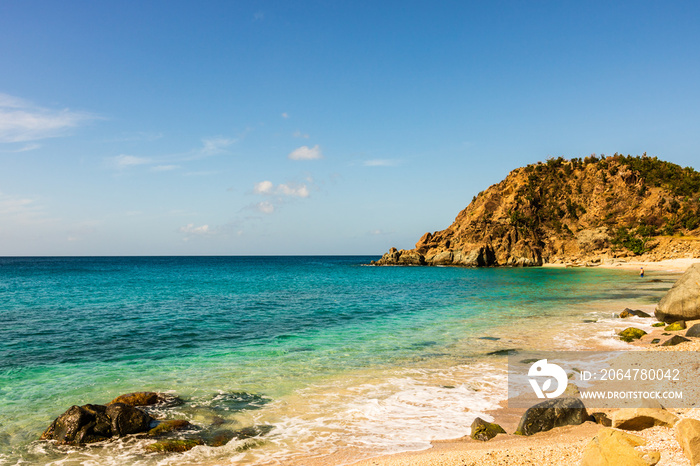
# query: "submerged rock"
550,414
146,399
173,425
174,445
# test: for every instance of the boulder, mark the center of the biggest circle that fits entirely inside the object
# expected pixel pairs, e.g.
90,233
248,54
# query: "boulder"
95,423
483,430
682,301
602,419
693,331
674,340
631,333
127,419
676,326
688,436
614,448
633,312
80,424
146,399
642,418
550,414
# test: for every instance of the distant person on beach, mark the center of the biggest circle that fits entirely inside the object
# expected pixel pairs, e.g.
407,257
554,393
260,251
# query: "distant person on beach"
641,272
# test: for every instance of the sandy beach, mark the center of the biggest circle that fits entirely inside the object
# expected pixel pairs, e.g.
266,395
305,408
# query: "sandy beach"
563,445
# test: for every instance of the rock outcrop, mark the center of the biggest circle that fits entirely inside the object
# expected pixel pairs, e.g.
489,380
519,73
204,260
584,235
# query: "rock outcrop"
682,301
688,436
570,211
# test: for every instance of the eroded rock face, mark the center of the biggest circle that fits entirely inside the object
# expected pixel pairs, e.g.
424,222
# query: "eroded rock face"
682,301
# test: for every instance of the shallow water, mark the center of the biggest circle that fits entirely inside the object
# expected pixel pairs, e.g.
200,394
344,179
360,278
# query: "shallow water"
367,359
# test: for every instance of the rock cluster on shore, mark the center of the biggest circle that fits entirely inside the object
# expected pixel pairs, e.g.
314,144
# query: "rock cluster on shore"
127,415
571,211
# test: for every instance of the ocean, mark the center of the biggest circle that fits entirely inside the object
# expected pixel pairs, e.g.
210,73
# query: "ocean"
323,355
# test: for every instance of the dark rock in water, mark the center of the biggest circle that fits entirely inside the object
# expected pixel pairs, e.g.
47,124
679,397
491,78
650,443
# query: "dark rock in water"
80,424
529,361
602,419
253,431
238,401
629,334
676,326
693,331
127,419
550,414
147,399
503,352
489,338
589,321
174,445
95,423
674,340
682,301
173,425
484,431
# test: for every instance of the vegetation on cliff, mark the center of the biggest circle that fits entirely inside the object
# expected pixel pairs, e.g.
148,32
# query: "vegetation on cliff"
564,210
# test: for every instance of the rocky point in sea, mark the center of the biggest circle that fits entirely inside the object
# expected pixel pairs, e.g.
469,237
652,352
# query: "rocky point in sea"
576,211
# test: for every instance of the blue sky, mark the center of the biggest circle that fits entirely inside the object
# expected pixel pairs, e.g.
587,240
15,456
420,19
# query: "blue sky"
315,127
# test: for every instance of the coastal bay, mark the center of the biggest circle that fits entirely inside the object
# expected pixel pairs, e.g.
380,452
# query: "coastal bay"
349,361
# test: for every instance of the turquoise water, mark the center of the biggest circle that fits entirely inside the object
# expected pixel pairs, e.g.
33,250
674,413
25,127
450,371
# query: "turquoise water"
337,350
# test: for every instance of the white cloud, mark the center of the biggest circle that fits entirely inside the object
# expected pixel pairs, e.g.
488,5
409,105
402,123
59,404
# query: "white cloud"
299,134
125,161
190,230
215,146
265,207
264,187
290,190
21,121
380,163
285,115
306,153
164,168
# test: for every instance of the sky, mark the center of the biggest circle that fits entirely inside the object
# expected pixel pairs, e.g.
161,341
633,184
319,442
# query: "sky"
315,127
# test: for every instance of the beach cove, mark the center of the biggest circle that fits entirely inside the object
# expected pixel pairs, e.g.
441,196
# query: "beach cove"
341,361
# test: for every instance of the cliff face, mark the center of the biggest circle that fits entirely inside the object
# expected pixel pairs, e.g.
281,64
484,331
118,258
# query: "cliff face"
568,211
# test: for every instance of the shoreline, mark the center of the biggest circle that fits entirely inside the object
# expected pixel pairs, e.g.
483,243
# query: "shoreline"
562,445
678,265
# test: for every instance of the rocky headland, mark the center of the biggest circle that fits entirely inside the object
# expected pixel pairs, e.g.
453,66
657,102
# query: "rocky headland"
578,211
